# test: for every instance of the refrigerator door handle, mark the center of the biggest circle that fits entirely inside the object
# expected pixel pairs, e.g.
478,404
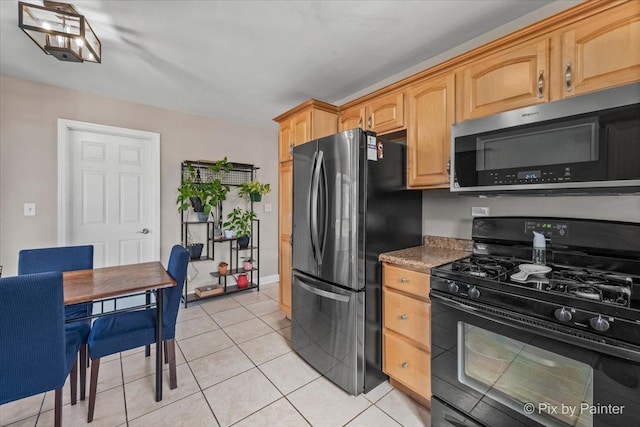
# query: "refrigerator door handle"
325,208
315,190
323,293
312,201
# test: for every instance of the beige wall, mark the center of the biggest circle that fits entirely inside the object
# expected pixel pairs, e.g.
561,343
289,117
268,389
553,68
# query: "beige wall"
28,161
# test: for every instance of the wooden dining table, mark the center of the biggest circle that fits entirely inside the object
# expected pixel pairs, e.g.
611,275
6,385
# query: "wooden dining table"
99,284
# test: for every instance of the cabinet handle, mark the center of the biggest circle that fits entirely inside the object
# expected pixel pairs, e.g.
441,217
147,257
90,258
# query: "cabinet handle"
404,280
403,317
291,147
369,122
449,167
568,77
405,365
541,84
360,122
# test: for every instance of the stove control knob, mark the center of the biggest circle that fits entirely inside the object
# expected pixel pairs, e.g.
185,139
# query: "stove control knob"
474,292
562,314
599,324
453,287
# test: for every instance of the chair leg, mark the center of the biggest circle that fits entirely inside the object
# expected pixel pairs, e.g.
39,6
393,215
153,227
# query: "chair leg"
93,385
83,370
166,355
57,412
170,351
73,381
147,350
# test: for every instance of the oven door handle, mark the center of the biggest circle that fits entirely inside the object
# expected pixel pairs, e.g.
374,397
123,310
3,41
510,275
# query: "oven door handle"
530,324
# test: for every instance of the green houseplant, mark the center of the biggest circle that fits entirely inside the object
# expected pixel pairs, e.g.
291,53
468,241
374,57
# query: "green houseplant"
239,220
204,195
254,190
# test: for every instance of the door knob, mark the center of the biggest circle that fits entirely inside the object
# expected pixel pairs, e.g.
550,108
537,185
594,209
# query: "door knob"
143,231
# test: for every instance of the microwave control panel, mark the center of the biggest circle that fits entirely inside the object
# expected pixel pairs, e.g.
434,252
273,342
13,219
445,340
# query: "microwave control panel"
527,176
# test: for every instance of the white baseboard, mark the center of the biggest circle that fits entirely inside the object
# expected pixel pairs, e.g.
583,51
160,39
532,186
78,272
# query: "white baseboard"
274,278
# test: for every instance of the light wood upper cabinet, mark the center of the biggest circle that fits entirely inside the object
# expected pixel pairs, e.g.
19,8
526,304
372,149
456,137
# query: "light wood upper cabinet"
381,115
431,114
312,119
352,118
514,78
601,52
386,113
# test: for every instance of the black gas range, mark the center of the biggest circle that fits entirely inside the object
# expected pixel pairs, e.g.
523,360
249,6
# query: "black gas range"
580,317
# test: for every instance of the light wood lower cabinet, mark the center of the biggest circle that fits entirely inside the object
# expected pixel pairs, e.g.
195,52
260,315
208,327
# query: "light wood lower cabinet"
285,220
406,338
407,364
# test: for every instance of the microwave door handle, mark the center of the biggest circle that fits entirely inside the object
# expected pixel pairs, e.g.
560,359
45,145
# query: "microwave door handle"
311,202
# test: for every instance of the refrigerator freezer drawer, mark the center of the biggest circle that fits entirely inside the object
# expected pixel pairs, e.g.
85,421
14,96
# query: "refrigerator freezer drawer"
327,328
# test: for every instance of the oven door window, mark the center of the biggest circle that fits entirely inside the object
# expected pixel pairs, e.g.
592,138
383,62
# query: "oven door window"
544,386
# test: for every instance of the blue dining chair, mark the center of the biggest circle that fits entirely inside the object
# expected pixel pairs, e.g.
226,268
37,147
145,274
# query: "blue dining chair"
64,258
36,353
124,331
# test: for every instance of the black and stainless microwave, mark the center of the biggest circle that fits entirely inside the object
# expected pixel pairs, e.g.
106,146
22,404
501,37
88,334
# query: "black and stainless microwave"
589,143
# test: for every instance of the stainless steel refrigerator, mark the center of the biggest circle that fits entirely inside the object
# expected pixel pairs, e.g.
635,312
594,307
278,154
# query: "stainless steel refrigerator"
350,203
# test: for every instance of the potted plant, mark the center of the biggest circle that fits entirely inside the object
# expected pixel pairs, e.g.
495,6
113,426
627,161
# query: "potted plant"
195,249
239,221
203,195
222,268
254,190
247,264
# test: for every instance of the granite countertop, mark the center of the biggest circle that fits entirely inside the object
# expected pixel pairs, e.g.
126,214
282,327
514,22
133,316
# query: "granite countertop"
435,251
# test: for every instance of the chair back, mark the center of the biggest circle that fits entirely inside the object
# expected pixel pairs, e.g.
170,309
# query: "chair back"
64,258
32,337
177,268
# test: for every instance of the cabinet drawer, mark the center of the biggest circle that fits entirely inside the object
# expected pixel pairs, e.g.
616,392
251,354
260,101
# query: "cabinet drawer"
407,364
407,316
405,280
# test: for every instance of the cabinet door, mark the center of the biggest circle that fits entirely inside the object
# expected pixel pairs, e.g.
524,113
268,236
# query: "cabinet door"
352,118
286,140
431,113
506,80
602,52
301,124
285,276
386,113
285,212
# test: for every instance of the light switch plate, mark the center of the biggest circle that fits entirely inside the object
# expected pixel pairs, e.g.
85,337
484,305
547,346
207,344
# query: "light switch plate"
268,207
480,211
29,209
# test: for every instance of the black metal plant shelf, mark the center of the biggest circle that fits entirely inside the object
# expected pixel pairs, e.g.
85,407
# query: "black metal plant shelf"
240,173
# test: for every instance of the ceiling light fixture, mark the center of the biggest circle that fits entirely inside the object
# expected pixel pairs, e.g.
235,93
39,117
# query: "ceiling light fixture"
60,31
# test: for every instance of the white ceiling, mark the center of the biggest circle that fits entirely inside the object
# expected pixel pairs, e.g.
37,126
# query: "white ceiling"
248,61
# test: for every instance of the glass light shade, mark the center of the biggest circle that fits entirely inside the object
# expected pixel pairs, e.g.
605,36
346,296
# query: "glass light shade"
59,30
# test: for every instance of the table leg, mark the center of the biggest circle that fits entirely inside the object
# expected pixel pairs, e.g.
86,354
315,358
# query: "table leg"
147,348
159,305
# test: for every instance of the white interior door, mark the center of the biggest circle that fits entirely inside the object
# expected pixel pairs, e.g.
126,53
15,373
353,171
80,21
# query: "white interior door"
110,192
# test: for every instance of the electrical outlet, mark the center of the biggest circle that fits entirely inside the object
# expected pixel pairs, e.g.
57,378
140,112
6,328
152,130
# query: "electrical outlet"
480,211
268,207
29,209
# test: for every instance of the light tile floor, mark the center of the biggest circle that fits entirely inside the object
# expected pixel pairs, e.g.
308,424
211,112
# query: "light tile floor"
235,367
